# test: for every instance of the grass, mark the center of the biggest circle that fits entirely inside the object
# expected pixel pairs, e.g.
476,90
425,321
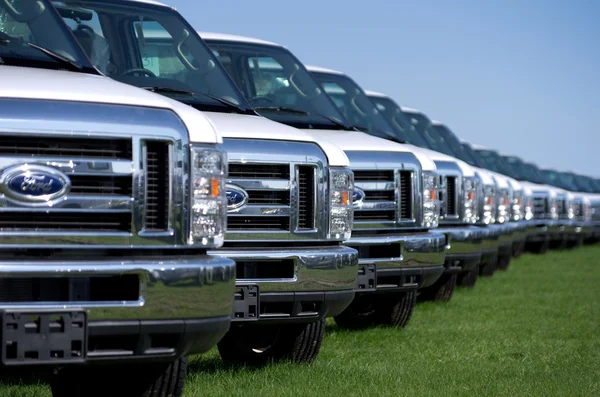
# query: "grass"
533,330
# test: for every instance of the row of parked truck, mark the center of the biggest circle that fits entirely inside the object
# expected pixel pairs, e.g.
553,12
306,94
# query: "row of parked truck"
163,191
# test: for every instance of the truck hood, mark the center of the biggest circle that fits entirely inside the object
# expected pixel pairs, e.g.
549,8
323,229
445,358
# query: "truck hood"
536,187
231,125
360,141
465,168
485,175
501,180
34,83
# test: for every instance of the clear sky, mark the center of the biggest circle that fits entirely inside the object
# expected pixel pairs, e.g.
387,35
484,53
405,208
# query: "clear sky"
519,76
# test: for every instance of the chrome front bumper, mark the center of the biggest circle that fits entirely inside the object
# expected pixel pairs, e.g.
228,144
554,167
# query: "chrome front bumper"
463,247
399,262
186,287
293,285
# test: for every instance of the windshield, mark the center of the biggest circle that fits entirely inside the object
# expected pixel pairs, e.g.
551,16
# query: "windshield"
32,35
469,156
354,104
488,159
533,174
437,141
559,179
402,126
152,47
277,85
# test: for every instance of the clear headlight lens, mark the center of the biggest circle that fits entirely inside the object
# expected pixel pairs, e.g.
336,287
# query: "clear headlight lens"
517,206
208,198
341,212
470,200
431,205
504,201
553,214
488,211
528,207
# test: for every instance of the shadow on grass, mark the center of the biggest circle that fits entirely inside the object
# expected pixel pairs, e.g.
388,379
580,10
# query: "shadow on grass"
24,376
210,365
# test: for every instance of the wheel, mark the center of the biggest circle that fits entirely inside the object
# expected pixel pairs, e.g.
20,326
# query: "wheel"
539,247
157,380
386,309
575,243
468,279
259,345
503,262
558,244
442,290
488,269
518,250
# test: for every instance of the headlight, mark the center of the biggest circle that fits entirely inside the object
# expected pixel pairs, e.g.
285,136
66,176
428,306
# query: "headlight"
570,208
553,214
470,200
528,207
517,206
504,199
431,210
209,203
341,213
488,211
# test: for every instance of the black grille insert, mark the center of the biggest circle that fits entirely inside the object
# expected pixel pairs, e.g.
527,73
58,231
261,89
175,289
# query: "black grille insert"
406,195
66,147
258,222
101,185
157,186
306,197
265,269
373,176
48,221
451,208
259,171
383,195
269,197
70,289
374,215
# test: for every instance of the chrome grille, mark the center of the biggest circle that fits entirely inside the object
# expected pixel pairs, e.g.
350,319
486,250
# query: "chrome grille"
306,197
157,185
541,207
451,197
406,201
119,175
286,188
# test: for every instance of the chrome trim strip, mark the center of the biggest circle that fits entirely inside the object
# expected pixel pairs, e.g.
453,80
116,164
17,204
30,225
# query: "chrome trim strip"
78,166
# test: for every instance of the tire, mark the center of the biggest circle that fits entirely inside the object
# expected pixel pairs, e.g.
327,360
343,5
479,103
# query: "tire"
572,244
488,269
394,310
503,262
539,247
468,279
257,346
442,290
166,380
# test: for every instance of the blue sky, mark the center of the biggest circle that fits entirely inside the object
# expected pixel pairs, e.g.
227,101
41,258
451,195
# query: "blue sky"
519,76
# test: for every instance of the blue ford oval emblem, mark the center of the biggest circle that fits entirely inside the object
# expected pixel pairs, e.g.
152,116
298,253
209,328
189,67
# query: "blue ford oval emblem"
236,197
358,196
34,183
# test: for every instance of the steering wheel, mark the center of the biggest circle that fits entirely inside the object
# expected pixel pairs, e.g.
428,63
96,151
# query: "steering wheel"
261,101
139,70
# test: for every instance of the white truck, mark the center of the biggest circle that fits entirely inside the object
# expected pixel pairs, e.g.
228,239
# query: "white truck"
289,195
110,198
394,197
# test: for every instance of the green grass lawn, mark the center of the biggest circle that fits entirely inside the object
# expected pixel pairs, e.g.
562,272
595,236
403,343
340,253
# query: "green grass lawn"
532,330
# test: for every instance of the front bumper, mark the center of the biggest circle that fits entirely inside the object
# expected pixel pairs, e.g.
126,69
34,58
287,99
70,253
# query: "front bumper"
292,285
543,230
401,262
463,247
154,308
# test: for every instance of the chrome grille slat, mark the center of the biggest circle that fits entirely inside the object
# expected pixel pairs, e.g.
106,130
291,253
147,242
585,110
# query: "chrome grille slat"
259,171
541,207
61,147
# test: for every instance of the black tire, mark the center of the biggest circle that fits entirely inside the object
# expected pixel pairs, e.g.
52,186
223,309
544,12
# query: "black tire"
558,244
488,269
539,247
259,345
572,244
394,310
166,380
442,290
503,262
468,279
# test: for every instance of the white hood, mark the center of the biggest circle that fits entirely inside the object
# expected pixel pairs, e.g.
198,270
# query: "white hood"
357,141
231,125
485,175
33,83
501,180
465,168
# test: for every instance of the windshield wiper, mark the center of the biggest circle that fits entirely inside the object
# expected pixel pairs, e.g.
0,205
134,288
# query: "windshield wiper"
168,90
171,90
283,109
57,57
